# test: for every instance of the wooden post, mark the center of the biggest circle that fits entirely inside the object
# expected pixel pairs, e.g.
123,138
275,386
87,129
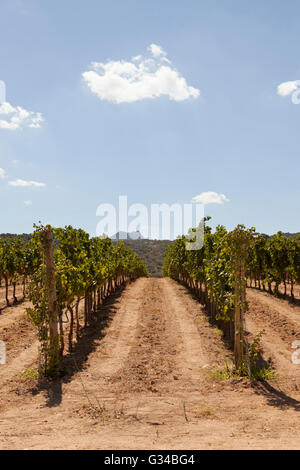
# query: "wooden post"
238,323
239,238
53,361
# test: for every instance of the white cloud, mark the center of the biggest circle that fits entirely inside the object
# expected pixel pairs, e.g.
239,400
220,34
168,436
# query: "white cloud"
18,117
136,58
156,50
23,183
126,82
210,197
287,88
2,173
28,203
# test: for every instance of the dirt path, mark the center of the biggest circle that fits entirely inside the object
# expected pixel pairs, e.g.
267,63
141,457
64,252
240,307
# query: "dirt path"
18,333
286,310
279,323
143,380
288,291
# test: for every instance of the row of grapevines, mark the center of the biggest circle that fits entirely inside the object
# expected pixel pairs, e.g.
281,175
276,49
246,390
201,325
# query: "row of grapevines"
210,272
274,261
88,269
18,260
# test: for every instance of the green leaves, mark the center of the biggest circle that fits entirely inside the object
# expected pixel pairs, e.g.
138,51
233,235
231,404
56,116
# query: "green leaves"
274,259
83,263
213,265
83,266
269,260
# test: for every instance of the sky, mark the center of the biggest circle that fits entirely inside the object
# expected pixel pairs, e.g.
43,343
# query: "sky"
161,101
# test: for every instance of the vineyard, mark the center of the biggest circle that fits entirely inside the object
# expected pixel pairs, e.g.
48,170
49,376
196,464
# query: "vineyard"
60,277
218,274
199,358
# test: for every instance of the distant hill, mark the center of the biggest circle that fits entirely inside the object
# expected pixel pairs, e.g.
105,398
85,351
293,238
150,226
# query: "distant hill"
287,235
291,235
127,236
152,253
26,236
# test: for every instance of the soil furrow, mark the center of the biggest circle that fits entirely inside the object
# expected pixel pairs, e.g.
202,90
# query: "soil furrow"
145,381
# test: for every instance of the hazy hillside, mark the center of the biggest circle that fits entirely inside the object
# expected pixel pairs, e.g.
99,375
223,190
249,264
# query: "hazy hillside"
25,236
127,236
152,253
291,235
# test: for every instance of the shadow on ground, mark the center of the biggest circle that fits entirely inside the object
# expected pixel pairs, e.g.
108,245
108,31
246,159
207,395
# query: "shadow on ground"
288,298
274,396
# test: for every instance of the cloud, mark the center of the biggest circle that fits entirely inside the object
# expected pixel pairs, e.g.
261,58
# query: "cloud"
156,50
141,78
28,203
18,117
23,183
210,197
2,173
287,88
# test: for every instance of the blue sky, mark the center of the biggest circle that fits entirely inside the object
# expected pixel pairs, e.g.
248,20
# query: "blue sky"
237,137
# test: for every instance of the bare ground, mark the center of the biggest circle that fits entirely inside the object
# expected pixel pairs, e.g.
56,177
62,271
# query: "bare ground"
141,378
279,322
